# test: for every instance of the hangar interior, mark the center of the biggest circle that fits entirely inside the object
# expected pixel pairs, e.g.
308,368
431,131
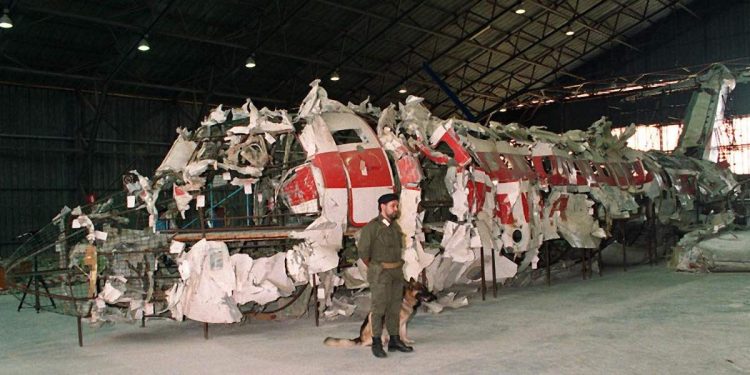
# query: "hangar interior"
90,90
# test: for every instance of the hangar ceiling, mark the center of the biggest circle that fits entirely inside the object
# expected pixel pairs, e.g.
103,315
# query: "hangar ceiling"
489,53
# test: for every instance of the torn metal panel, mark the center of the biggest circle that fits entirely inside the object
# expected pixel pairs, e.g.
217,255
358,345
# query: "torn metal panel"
179,154
712,248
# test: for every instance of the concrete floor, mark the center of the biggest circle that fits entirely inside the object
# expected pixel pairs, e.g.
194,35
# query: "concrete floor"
647,320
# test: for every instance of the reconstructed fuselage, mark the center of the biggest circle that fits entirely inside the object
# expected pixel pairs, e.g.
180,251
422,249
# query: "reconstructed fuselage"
256,205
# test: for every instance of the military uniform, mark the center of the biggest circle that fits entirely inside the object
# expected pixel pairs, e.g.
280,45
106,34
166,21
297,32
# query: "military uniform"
381,242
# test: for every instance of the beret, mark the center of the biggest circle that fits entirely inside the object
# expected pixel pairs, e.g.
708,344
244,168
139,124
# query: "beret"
385,198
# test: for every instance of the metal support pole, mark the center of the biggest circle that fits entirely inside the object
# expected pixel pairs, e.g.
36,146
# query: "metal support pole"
37,305
484,281
494,275
80,331
599,260
205,331
548,260
143,321
447,90
624,248
317,303
583,264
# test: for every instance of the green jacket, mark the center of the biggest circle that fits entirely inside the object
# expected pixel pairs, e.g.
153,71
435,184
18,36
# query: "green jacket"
379,242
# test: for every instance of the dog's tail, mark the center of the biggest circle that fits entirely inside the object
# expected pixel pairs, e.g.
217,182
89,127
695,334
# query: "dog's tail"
342,343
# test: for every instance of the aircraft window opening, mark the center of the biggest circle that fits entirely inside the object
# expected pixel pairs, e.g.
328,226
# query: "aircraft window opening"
593,167
604,169
347,136
529,161
478,134
507,162
547,164
576,168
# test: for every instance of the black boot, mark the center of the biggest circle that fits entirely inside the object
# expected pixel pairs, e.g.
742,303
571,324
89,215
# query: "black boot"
397,344
377,348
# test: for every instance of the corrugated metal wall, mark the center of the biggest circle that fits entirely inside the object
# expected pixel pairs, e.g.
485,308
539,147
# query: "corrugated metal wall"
42,162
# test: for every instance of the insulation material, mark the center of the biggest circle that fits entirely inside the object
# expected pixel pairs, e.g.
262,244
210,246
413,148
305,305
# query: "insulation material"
456,182
414,256
456,242
261,280
711,248
444,272
339,307
355,277
448,300
296,263
577,224
209,283
324,240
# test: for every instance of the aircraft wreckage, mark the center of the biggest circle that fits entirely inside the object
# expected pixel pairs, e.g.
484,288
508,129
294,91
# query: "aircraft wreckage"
258,207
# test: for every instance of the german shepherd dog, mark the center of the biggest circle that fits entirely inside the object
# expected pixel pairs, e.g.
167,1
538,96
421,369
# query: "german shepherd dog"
414,295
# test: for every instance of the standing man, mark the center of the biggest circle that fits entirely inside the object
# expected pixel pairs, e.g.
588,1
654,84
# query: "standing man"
380,245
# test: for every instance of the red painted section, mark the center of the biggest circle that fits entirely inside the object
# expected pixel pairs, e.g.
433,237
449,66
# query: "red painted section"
378,172
332,169
505,167
462,157
525,203
504,211
432,155
604,175
687,184
300,188
621,173
477,195
641,176
409,171
560,205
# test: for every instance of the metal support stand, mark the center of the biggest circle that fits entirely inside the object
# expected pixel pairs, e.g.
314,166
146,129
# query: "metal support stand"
587,263
484,282
205,331
548,260
36,279
316,305
652,240
80,332
624,248
494,275
599,260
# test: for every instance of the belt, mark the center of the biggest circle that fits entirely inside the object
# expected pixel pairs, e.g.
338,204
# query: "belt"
391,265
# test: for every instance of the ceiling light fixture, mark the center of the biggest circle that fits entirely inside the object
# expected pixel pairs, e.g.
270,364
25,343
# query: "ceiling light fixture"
520,9
402,90
570,32
335,75
5,21
250,62
503,109
143,45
